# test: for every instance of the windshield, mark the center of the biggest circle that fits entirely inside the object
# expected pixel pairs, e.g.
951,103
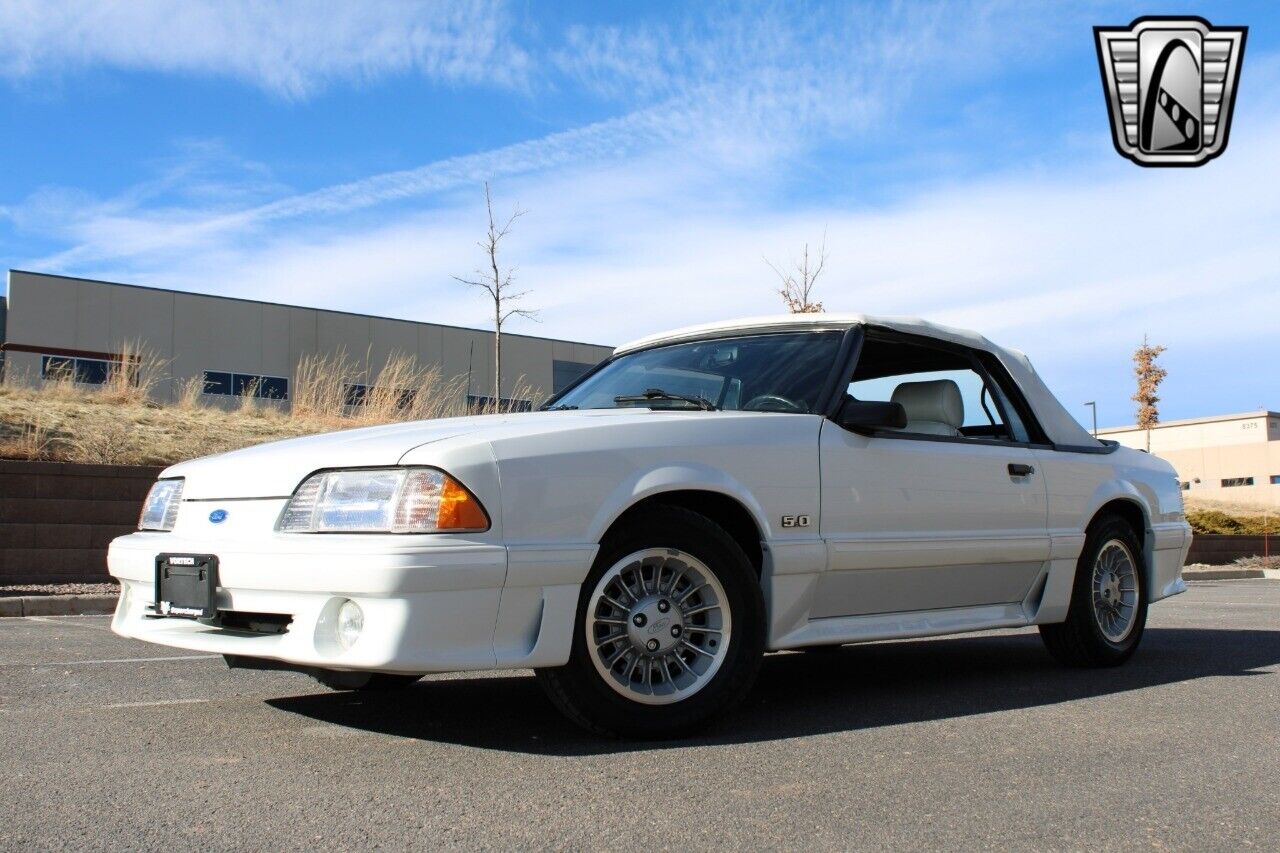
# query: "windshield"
762,373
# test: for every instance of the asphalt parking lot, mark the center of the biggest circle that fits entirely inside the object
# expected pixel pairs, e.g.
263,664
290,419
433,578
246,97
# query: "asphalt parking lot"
977,741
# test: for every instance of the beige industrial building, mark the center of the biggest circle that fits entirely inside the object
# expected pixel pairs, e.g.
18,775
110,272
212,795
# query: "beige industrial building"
52,325
1233,458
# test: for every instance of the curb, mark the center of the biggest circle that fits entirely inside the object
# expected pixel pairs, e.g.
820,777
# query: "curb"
58,605
1229,574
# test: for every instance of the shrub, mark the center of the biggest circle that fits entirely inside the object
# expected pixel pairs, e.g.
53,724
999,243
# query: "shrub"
1217,521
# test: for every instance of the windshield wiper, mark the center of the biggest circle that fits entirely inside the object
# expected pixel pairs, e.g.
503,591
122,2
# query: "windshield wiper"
652,394
563,407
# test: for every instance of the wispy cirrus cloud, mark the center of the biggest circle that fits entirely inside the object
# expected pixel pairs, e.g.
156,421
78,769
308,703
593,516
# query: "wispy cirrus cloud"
737,93
289,49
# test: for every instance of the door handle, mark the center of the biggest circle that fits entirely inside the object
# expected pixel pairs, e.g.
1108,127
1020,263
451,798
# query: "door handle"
1017,469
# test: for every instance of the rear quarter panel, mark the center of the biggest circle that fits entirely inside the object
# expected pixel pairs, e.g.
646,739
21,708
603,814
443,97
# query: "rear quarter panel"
1080,485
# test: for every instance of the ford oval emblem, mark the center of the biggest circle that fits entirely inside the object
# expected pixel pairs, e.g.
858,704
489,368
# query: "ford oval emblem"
218,516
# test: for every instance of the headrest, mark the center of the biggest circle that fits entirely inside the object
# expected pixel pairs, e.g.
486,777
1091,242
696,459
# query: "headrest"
938,400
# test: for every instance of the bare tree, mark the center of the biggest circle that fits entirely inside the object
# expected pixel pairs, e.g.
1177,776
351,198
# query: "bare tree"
1149,376
798,281
496,282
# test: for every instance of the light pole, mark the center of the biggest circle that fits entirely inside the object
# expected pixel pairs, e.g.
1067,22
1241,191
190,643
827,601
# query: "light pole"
1091,404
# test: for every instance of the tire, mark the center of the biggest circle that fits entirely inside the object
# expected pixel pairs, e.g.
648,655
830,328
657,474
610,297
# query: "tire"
1094,635
700,587
371,682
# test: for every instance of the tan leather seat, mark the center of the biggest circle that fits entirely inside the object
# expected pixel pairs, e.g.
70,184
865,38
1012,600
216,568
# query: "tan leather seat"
933,408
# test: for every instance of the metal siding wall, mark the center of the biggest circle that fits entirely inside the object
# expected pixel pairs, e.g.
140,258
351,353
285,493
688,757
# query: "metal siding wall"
42,311
431,348
216,334
342,333
142,317
91,306
455,353
389,338
303,335
275,343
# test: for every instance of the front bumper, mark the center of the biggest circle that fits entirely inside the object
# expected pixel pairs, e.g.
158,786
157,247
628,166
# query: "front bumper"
427,606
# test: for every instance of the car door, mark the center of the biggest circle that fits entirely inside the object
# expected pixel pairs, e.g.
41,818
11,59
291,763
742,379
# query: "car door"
938,514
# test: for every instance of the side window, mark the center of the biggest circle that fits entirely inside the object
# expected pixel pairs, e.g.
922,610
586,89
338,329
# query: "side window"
945,392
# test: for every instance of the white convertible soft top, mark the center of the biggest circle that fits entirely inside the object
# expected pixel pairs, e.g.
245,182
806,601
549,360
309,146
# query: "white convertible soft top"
1057,422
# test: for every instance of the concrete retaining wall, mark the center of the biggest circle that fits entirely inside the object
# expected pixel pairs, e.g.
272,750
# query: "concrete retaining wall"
57,518
1219,549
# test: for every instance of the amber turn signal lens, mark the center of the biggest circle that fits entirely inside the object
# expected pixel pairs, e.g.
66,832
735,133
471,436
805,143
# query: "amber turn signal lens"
459,510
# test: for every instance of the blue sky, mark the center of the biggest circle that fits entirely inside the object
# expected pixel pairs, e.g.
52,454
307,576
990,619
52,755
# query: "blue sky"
956,155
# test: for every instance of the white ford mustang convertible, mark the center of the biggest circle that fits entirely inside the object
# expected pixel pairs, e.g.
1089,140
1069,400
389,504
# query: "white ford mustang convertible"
698,499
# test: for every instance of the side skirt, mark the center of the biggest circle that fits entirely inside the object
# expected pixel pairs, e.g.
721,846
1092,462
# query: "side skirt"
896,626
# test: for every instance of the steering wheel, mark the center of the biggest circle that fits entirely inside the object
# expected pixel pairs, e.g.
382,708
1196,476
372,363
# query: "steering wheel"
773,403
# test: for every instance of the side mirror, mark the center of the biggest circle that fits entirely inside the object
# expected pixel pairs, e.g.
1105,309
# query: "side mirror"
869,414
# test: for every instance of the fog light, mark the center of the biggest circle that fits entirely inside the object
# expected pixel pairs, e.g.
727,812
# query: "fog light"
350,623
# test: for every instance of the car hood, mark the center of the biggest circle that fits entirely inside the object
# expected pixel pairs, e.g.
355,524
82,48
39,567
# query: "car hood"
275,469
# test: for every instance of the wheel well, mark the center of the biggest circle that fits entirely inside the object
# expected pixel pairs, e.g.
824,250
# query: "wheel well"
1130,512
722,509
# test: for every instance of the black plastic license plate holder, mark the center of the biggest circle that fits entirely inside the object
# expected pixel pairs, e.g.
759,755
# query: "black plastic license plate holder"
187,586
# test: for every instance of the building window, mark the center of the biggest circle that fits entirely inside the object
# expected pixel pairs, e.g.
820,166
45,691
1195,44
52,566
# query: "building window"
273,388
1275,479
565,373
476,403
1237,481
355,394
1186,485
86,371
222,383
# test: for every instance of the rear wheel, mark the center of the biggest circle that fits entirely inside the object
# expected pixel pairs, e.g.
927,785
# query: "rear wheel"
669,630
1108,609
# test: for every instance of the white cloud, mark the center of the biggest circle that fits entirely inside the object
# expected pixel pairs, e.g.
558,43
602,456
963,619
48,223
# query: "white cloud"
290,49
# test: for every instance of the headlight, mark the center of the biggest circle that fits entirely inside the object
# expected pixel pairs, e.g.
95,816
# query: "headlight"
383,500
160,509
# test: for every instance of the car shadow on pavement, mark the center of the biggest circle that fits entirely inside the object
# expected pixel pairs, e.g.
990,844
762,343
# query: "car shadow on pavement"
830,690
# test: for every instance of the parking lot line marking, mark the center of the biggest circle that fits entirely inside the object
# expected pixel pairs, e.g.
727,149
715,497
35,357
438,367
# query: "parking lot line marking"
1228,603
157,702
113,660
66,620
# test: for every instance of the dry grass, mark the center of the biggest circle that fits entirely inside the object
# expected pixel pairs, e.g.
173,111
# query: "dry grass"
119,422
1234,507
1206,515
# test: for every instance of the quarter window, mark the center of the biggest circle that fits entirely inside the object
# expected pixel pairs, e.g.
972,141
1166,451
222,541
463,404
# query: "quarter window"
945,392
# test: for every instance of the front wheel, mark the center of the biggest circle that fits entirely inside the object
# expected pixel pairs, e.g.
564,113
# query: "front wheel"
669,630
1108,610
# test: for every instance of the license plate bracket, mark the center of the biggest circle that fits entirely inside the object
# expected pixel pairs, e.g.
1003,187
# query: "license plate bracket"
187,585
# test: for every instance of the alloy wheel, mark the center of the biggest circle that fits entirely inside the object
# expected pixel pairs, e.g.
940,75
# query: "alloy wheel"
658,626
